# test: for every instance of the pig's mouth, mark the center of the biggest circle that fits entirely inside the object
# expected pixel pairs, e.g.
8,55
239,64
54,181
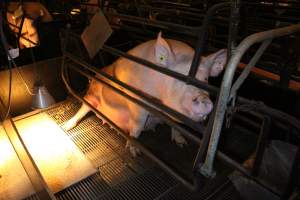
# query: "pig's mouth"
199,117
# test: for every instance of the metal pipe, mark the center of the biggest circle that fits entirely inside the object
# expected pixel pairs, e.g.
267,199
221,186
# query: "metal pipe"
279,115
160,24
207,167
261,144
237,84
233,27
205,141
153,102
200,43
148,153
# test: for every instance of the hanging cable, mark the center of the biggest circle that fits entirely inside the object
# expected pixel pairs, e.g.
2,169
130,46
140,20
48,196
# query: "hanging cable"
15,66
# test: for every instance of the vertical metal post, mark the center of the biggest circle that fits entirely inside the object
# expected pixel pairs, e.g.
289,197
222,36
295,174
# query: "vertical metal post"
204,143
200,43
261,144
233,27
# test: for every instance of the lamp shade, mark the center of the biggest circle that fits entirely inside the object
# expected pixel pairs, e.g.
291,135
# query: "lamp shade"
41,98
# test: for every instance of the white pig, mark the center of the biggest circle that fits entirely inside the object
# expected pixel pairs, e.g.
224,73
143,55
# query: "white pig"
186,99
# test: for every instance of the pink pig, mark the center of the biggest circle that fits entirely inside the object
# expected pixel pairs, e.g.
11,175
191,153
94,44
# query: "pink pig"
186,99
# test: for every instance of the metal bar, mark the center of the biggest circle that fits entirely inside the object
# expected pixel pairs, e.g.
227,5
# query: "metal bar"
205,141
195,14
207,167
35,176
160,113
192,31
248,68
200,84
233,27
279,115
261,144
200,43
20,30
148,153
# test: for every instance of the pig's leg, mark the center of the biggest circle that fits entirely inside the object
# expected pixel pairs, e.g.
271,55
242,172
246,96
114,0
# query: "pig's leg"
135,131
137,125
71,123
177,137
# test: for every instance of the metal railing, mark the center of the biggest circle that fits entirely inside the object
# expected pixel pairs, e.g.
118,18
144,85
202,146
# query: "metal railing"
226,89
208,146
152,105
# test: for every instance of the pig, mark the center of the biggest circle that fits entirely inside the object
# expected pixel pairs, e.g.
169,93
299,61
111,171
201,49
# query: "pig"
33,10
186,99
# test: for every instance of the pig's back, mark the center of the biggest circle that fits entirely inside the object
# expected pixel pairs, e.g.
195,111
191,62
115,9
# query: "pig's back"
144,78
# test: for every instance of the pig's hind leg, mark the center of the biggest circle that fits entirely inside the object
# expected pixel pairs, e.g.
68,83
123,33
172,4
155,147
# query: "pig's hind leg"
71,123
84,109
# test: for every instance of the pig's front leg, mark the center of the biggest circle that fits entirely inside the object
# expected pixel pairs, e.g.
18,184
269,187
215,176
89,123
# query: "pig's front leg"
71,123
177,137
137,125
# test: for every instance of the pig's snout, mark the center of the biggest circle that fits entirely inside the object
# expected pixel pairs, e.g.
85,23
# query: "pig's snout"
201,107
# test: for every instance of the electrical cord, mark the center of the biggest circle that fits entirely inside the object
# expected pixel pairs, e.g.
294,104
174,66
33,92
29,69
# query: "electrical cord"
19,72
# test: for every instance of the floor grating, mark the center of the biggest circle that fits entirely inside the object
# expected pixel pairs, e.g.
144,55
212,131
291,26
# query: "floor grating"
120,176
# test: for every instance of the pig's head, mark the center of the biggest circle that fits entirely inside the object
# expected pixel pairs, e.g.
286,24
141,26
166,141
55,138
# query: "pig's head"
187,99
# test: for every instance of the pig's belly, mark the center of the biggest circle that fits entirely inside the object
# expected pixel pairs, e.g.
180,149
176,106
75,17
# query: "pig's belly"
120,115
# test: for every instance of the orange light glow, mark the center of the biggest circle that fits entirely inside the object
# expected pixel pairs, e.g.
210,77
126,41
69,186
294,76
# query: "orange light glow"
57,157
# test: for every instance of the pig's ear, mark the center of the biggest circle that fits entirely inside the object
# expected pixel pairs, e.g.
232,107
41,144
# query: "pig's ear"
163,52
216,62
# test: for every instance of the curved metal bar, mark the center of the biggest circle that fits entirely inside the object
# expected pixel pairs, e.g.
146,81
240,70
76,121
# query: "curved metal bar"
237,84
207,167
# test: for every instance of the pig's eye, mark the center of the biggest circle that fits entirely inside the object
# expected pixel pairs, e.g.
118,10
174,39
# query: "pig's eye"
162,58
195,100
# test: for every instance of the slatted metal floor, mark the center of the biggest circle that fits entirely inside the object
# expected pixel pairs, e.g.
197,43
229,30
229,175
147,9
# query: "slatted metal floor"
120,176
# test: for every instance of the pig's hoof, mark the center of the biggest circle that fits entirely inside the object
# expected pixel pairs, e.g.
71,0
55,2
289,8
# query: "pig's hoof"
178,138
68,125
134,151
